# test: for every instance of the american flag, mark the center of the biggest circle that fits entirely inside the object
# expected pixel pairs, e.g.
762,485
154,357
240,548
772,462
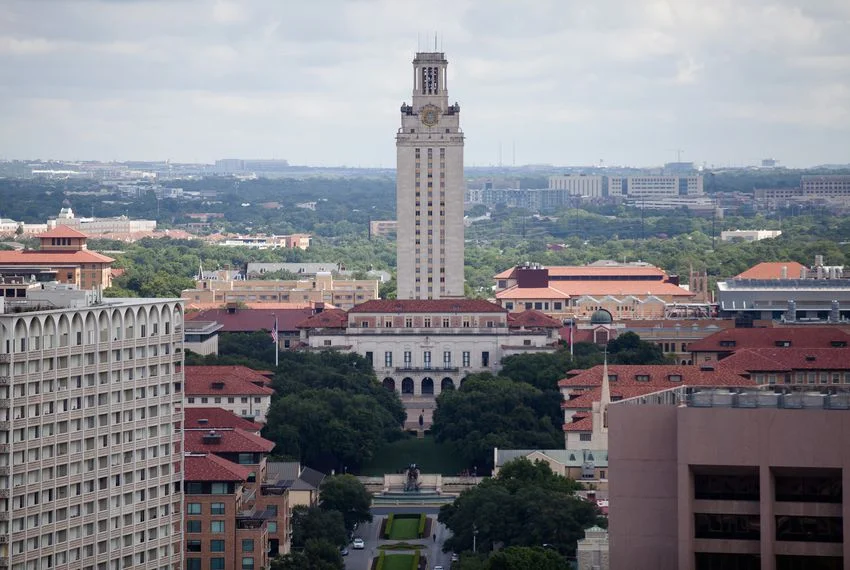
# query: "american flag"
274,331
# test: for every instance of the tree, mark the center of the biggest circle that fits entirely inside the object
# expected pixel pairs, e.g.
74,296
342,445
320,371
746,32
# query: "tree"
317,555
523,557
313,523
525,505
628,348
346,494
487,412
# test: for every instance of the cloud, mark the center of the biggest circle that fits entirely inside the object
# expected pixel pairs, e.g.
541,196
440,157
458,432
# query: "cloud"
320,82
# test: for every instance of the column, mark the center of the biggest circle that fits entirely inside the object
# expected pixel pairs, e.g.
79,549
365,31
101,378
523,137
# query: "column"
768,521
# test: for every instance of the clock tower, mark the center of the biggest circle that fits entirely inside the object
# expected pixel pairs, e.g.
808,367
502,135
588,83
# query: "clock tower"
429,187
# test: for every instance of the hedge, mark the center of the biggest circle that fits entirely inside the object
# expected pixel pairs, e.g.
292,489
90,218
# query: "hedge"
389,526
415,565
421,525
380,564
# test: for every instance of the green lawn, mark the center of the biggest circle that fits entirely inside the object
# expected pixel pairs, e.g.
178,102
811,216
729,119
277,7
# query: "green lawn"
405,527
431,457
398,562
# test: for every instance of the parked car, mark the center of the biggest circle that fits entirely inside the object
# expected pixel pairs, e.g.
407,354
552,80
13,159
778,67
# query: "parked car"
358,544
455,557
343,551
438,568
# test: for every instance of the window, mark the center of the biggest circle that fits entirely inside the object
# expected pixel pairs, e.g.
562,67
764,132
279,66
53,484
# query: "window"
675,378
584,436
193,564
216,563
408,357
446,322
216,546
193,546
370,357
219,489
485,359
408,322
193,509
217,526
272,527
466,358
388,359
727,526
247,563
247,545
426,356
193,526
642,377
726,487
217,508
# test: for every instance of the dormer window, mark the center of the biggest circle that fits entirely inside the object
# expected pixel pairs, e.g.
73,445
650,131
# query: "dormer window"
838,344
642,377
783,343
675,378
612,378
727,343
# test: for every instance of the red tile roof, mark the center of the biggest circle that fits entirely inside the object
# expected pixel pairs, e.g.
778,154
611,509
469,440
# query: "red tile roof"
62,231
787,359
533,319
327,319
252,320
772,270
233,440
427,306
800,337
210,467
584,401
580,424
561,289
47,258
216,418
236,380
659,377
517,292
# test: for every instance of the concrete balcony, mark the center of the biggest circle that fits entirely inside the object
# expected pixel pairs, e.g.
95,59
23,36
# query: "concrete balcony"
5,380
427,368
4,358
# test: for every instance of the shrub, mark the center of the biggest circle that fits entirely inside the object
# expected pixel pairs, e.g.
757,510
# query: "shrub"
421,526
415,565
381,558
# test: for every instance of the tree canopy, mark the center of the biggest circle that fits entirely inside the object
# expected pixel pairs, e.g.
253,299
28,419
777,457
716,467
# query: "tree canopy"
525,505
347,495
487,412
316,555
314,523
330,412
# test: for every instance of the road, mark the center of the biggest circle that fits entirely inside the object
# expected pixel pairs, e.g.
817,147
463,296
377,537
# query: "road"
361,559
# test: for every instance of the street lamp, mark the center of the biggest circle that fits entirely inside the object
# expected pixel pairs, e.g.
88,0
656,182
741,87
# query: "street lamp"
474,538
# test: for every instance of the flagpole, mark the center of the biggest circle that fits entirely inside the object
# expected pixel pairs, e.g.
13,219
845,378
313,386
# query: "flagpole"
276,345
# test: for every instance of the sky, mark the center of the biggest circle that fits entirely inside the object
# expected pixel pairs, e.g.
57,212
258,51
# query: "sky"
320,82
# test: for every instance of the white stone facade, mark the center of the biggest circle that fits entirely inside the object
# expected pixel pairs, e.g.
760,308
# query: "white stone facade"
430,187
578,185
90,453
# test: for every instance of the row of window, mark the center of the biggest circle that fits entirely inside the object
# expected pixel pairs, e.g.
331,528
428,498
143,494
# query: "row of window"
217,527
218,563
426,358
220,400
788,528
64,557
217,545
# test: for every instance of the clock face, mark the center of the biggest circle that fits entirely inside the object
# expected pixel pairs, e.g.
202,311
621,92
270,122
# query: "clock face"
430,115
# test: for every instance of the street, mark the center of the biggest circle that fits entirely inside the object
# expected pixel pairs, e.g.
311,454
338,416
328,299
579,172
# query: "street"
360,559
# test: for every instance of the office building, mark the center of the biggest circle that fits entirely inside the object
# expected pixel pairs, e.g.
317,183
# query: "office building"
655,186
733,478
749,235
237,389
593,186
91,464
430,187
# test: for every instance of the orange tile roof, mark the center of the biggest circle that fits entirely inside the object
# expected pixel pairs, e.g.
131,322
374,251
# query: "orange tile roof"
787,359
516,292
48,258
216,418
772,270
236,380
62,231
332,318
591,270
581,424
212,468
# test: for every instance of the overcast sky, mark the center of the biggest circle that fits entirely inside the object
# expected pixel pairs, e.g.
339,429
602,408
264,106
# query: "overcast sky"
320,82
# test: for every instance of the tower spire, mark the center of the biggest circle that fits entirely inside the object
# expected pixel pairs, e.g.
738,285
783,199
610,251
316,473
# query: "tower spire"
605,399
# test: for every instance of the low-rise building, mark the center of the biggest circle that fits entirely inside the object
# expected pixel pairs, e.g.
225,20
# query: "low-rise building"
240,320
422,347
727,342
742,478
749,235
237,389
293,241
383,228
201,337
64,252
626,291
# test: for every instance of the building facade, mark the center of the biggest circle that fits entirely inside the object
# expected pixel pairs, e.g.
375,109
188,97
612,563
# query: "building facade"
744,479
91,465
430,187
237,389
655,186
421,348
580,185
63,252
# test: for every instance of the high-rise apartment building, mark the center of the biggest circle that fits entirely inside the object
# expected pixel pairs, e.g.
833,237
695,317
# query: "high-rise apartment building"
91,463
429,187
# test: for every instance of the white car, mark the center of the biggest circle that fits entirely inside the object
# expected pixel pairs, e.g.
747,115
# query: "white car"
358,544
438,568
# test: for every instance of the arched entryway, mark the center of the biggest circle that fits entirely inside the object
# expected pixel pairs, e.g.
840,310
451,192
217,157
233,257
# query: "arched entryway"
447,384
427,385
462,380
407,386
389,383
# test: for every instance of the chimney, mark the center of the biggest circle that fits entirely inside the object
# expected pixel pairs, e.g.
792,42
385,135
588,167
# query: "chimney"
818,261
791,313
834,311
